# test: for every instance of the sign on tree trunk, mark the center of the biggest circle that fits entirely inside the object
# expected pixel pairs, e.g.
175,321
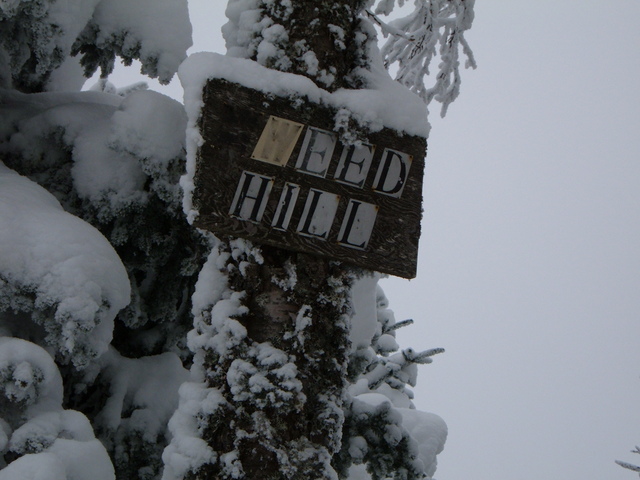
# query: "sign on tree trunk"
274,170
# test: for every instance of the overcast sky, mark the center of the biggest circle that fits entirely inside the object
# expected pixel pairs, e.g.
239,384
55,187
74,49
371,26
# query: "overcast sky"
529,271
529,268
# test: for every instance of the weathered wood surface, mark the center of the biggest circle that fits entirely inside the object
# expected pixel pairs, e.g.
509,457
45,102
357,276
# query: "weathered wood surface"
232,121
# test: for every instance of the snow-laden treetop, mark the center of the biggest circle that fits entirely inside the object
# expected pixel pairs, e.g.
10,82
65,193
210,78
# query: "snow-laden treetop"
37,37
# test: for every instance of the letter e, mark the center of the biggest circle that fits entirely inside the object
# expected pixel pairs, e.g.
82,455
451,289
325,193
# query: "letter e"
316,151
354,164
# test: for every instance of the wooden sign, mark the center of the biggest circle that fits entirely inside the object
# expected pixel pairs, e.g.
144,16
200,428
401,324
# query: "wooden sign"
274,171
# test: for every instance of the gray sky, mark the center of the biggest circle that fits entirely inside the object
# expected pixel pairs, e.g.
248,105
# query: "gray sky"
529,269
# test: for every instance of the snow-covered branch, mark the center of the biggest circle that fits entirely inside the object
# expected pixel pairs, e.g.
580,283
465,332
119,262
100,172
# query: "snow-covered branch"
630,466
434,29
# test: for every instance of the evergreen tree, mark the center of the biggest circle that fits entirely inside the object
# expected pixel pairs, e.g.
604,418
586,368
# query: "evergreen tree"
97,259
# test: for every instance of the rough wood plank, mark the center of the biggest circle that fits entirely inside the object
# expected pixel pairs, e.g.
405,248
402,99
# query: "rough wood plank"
232,121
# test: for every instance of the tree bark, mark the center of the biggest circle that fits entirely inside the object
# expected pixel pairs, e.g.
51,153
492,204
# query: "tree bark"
295,303
327,31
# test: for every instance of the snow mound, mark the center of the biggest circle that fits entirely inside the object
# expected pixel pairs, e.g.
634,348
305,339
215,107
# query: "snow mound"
65,266
53,444
384,104
158,145
427,430
64,460
187,450
29,379
430,433
134,386
116,142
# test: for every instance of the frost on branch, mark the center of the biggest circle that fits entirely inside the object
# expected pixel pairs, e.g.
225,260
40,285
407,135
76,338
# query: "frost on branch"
630,466
434,29
38,36
384,436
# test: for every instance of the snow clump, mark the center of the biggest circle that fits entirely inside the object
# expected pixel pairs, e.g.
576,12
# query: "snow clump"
49,443
61,266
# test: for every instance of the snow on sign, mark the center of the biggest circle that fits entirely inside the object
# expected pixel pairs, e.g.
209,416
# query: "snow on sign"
273,170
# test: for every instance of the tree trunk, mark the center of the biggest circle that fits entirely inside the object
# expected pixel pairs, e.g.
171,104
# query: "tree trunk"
324,31
299,305
296,305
